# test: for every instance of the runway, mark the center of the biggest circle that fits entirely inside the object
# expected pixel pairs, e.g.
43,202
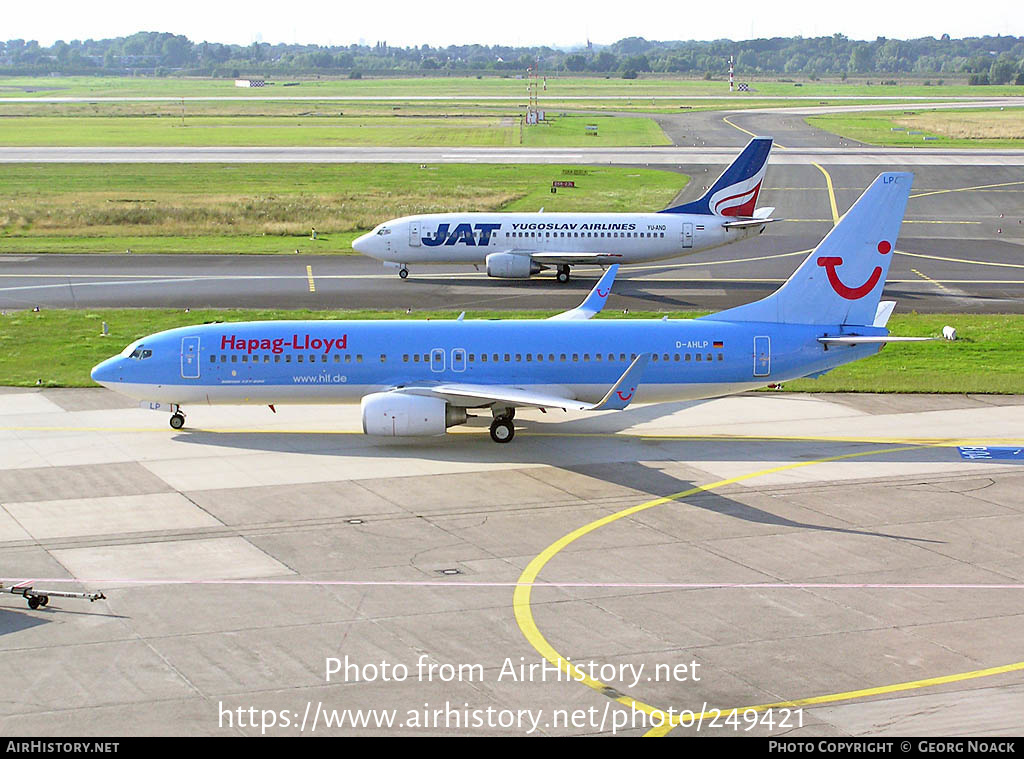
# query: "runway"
653,156
960,250
835,548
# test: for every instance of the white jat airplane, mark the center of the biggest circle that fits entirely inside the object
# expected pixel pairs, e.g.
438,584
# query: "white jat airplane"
517,245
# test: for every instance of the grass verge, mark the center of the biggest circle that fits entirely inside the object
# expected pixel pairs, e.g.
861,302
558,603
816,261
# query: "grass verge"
954,128
326,131
57,348
271,208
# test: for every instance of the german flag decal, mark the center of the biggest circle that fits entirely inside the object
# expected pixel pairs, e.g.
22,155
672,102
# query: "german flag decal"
717,344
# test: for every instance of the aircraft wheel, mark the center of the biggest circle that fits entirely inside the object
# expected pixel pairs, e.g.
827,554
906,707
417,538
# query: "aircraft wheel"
563,274
33,602
502,431
177,421
44,600
403,272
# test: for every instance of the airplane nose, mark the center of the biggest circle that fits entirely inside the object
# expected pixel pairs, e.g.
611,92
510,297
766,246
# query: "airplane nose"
362,244
106,372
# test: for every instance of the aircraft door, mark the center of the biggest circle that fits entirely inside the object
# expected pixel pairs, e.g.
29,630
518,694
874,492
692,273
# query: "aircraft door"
190,358
458,360
414,234
687,235
437,360
762,356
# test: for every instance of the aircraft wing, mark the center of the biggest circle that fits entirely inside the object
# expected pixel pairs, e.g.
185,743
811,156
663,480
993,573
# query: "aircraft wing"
477,396
576,259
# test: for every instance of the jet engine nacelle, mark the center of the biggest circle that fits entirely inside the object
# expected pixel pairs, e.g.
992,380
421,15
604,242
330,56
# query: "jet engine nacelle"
402,415
511,266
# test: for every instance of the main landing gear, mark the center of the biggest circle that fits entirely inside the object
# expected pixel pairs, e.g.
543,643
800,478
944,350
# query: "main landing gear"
177,418
502,428
563,273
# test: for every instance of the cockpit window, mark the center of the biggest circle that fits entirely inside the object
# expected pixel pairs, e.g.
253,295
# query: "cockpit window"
140,353
383,231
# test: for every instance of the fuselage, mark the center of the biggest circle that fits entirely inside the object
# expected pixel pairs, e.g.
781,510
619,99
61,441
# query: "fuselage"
342,361
625,238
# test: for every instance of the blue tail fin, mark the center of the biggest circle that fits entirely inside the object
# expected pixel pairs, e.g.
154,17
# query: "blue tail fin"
841,281
735,192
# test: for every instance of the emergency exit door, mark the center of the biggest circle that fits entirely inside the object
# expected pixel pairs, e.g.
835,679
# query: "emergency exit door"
190,358
762,356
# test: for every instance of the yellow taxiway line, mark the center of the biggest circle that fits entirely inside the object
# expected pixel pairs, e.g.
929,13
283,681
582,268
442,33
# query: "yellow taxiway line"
523,611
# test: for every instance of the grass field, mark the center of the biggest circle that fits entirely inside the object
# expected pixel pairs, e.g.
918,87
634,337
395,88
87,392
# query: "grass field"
59,347
952,128
323,130
557,85
271,208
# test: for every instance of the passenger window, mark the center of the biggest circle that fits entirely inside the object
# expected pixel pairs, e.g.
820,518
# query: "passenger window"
359,358
299,358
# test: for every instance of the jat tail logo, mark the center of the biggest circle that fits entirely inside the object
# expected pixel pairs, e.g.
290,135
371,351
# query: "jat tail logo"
738,198
466,234
829,263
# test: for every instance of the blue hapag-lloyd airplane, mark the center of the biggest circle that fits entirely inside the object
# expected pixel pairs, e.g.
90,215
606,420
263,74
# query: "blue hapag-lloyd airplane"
517,245
421,377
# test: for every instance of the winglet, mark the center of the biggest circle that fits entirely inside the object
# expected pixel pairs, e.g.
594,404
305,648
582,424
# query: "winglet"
622,392
594,302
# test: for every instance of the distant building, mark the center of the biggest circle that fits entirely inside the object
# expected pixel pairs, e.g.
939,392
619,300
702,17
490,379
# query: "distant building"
260,82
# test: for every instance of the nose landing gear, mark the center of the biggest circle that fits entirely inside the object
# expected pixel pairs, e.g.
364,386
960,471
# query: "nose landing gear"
177,418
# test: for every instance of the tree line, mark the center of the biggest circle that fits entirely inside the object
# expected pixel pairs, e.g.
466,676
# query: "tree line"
995,60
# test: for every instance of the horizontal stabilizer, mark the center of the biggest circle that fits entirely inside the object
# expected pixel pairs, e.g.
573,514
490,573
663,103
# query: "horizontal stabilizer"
744,223
871,339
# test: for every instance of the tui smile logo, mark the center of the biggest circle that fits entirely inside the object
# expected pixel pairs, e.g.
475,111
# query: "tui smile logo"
829,263
625,396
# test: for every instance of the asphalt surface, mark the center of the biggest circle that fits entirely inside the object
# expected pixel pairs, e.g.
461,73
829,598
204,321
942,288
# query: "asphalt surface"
789,546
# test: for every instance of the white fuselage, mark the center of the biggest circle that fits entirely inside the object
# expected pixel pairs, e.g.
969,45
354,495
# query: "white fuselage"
624,238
